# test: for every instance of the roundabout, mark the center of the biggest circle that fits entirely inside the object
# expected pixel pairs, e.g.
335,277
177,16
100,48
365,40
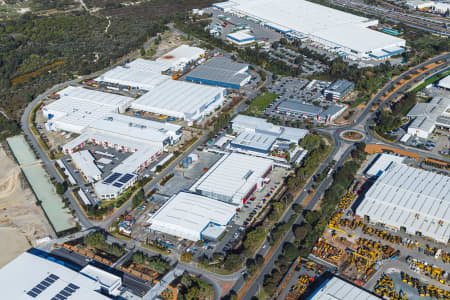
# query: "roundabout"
352,135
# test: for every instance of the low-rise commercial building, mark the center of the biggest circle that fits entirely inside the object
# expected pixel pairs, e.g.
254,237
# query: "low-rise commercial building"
85,162
383,162
339,89
335,30
257,136
221,71
144,138
319,113
193,217
234,178
427,116
147,74
94,115
241,38
410,199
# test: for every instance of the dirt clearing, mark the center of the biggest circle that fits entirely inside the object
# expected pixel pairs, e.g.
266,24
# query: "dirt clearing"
22,222
12,245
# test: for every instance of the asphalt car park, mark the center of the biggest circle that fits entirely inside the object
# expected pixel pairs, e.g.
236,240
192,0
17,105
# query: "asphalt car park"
258,31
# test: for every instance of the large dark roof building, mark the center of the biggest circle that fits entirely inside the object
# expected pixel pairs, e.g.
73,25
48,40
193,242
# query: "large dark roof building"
221,71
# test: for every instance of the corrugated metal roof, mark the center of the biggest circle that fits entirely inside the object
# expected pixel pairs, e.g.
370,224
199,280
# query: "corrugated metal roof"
410,197
337,288
299,107
186,215
221,69
227,177
178,98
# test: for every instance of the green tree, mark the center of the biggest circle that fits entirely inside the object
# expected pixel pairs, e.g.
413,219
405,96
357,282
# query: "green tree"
232,261
60,188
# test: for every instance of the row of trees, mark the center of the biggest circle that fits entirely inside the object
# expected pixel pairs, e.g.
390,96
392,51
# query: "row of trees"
97,240
307,234
387,121
155,263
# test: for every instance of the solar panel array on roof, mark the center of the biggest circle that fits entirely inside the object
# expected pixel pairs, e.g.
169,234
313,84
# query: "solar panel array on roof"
117,184
66,292
112,177
41,286
125,178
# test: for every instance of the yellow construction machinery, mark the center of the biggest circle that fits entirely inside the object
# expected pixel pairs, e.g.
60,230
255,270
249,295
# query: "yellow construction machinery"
385,288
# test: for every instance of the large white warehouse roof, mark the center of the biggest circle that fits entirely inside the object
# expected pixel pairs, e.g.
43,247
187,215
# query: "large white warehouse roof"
233,177
140,73
188,215
180,99
416,199
32,277
181,56
79,107
382,162
445,82
136,128
317,21
336,288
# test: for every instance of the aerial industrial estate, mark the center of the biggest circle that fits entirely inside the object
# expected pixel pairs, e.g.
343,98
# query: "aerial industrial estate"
238,156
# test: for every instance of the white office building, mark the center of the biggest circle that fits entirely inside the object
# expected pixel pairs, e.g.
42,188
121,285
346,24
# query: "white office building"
193,217
427,116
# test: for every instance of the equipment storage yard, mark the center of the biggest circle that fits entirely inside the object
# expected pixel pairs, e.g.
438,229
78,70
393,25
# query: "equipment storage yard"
371,254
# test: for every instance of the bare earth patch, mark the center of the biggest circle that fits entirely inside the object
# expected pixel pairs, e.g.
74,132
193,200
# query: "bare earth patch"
22,222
